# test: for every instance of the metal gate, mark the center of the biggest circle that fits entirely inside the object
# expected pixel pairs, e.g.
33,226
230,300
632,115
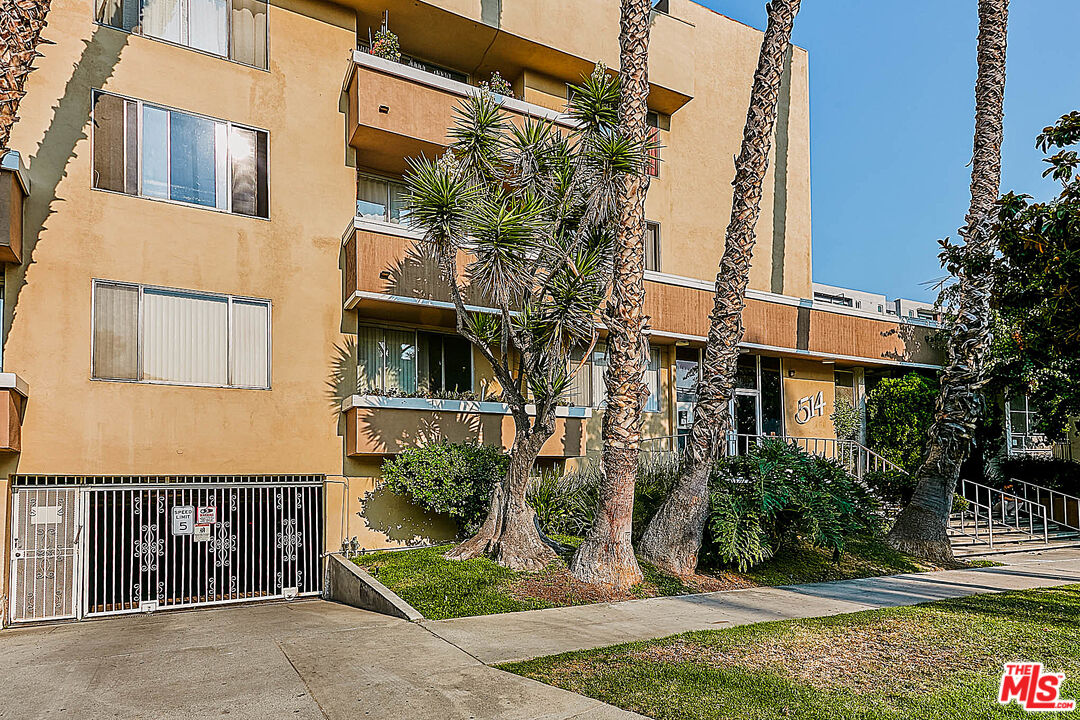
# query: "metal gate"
44,553
145,544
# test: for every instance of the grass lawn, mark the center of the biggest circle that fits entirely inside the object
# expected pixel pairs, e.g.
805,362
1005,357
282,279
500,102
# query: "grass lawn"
441,588
936,661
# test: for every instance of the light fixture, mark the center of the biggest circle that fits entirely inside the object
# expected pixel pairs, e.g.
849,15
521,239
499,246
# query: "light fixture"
682,343
828,362
384,109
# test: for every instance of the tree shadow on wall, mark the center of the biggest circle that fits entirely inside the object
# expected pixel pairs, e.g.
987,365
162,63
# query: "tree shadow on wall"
400,521
343,381
920,343
48,167
418,276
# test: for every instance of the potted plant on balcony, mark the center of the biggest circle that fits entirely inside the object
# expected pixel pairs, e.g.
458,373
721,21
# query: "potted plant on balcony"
386,45
498,86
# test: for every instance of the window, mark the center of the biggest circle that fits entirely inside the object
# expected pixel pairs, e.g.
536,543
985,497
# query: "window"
405,361
234,29
163,335
1022,421
594,380
652,246
653,137
379,199
155,152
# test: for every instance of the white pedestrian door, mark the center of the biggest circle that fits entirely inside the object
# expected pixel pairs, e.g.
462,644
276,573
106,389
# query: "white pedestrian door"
46,524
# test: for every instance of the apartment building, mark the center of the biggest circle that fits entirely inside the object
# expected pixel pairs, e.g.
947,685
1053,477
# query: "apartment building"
214,326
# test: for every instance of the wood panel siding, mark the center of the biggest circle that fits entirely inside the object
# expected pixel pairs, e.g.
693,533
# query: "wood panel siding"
391,266
11,201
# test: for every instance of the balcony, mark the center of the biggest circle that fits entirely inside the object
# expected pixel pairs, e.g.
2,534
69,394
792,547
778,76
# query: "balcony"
397,111
13,394
380,426
680,307
14,187
385,277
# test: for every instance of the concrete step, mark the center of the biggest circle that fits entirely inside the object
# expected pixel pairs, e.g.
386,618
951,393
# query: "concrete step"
984,550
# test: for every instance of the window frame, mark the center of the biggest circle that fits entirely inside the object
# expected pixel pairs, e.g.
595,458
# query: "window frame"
598,388
389,181
142,287
228,36
658,253
416,357
95,93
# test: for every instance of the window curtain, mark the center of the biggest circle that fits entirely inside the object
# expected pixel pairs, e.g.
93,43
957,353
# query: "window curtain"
249,356
368,360
162,19
580,392
208,23
185,338
599,366
399,361
371,196
652,380
249,32
116,332
122,14
109,142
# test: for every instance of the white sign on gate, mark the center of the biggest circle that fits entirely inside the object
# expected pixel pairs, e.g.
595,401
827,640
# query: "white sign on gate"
201,534
183,519
206,515
45,515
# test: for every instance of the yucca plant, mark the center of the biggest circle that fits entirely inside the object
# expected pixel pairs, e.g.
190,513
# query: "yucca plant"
532,208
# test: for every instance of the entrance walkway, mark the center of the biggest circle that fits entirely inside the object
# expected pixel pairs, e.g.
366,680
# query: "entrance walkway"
519,636
306,660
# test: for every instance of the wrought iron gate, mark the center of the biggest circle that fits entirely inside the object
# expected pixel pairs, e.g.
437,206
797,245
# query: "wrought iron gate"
44,553
144,544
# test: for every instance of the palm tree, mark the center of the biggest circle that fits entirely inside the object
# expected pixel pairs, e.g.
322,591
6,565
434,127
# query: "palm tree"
21,23
673,536
534,209
922,527
606,557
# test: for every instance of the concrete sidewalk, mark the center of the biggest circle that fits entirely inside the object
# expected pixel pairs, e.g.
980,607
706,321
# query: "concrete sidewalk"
519,636
309,660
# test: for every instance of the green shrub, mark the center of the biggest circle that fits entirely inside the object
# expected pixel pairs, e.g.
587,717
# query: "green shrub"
565,504
891,486
451,478
779,496
899,412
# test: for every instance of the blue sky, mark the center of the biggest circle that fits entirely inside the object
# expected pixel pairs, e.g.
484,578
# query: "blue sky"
892,115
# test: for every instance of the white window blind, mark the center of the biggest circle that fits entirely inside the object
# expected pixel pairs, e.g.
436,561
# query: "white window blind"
651,378
185,338
250,357
176,336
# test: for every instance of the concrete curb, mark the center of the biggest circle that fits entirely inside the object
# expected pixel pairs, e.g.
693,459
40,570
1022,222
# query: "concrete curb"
347,583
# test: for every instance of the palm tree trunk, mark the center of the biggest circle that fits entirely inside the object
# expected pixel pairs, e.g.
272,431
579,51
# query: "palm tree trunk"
510,534
673,536
606,557
922,527
21,23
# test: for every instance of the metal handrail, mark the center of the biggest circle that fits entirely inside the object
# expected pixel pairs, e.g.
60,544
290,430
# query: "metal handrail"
999,499
1067,502
855,456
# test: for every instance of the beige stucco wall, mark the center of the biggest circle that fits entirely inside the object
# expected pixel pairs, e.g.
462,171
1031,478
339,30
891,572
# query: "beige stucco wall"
77,425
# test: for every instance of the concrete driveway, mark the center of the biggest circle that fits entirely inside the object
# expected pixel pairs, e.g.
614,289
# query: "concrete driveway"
308,660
